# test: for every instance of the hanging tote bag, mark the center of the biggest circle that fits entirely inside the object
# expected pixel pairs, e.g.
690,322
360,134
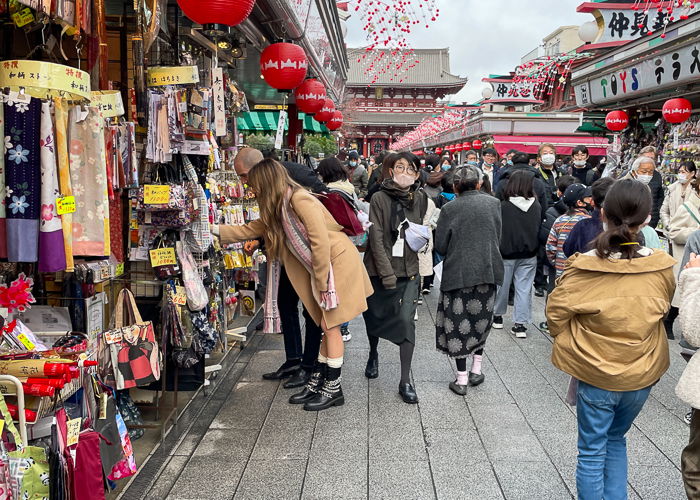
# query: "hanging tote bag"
197,296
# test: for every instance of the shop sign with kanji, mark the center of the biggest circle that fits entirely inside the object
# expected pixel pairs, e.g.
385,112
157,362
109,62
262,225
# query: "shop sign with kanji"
41,79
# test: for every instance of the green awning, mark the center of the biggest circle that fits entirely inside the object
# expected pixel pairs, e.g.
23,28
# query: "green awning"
266,121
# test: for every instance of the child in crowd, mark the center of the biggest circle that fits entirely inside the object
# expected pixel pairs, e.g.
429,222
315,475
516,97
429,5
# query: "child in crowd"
578,199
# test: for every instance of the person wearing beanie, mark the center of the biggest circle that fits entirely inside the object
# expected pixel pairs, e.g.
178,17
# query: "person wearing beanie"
578,199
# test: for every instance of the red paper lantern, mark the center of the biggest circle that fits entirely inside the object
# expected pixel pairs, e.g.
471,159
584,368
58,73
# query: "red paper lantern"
283,65
326,113
228,12
677,110
467,146
477,144
617,121
438,151
310,96
336,121
458,147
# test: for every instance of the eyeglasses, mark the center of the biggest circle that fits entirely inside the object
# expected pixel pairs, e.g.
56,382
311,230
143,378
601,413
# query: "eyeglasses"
401,168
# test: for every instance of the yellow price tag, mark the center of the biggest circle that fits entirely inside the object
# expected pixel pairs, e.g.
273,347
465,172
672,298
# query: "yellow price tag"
73,431
179,297
154,194
65,205
25,340
23,17
163,257
120,269
2,426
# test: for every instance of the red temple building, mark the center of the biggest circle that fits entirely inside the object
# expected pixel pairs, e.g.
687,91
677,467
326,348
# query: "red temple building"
378,113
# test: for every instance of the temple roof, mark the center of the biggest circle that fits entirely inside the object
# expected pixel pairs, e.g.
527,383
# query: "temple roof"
408,119
433,70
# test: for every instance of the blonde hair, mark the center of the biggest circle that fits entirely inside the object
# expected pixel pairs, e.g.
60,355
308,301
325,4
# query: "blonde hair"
270,181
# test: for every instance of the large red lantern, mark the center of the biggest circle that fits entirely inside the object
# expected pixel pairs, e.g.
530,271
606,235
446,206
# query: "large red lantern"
310,96
466,146
228,12
477,144
617,121
283,65
458,147
336,121
326,113
677,110
438,151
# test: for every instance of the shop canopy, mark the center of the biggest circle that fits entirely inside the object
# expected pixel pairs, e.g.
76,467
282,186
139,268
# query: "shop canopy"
597,146
266,121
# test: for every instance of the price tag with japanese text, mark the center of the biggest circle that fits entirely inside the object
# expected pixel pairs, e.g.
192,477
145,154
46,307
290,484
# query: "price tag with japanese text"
65,205
156,194
178,296
73,431
113,336
163,257
26,342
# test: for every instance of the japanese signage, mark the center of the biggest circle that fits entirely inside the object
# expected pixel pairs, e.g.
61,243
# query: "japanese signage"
65,205
280,129
646,76
163,257
217,78
517,90
627,24
40,79
172,75
108,102
156,194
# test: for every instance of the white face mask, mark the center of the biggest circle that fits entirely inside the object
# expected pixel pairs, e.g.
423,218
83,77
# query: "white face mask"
580,163
404,180
548,159
684,178
644,179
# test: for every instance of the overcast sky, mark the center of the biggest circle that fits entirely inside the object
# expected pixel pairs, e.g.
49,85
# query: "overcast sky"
485,36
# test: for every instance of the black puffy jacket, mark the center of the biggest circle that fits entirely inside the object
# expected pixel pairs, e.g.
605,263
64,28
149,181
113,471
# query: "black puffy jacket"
539,185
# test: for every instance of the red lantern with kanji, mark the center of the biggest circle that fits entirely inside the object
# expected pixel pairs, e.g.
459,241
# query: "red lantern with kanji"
283,65
438,151
466,146
326,112
677,110
336,121
458,147
310,96
477,144
228,12
617,121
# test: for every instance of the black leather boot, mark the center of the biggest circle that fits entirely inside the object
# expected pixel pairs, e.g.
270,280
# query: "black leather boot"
313,385
330,394
300,378
476,379
408,393
285,371
372,369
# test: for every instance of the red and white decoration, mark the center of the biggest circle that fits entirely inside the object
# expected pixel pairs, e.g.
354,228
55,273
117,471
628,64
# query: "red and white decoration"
310,96
477,144
326,113
283,65
677,110
336,121
466,146
617,121
228,12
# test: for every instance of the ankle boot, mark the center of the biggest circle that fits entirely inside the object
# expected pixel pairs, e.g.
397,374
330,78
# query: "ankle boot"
330,394
312,387
372,369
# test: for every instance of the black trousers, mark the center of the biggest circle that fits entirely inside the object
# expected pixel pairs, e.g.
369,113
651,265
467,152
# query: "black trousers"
288,303
540,273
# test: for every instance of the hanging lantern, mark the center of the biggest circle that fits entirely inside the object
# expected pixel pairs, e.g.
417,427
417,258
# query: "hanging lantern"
458,147
466,146
326,113
283,65
228,12
477,144
310,96
438,150
336,121
677,110
617,121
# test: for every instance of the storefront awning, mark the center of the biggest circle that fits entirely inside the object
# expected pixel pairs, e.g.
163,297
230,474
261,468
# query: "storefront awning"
597,146
266,121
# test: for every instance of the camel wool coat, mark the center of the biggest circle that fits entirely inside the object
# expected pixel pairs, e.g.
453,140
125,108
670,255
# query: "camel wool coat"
328,245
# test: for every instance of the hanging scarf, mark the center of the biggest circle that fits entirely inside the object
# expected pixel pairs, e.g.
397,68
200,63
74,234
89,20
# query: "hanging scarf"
61,116
297,240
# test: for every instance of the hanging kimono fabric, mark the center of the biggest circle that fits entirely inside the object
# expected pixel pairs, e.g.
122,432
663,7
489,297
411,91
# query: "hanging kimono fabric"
22,178
3,140
52,254
88,173
61,111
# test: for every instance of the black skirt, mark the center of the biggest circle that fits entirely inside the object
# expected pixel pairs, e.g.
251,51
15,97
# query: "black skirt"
390,313
464,319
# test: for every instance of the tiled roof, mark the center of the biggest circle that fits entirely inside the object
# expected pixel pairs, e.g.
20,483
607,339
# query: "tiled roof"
433,70
411,119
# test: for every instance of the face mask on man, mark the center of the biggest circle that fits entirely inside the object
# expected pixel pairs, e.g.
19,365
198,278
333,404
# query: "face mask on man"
353,163
404,180
446,167
644,179
548,159
580,163
472,162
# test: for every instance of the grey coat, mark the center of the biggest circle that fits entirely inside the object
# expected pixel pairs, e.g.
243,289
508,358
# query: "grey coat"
468,235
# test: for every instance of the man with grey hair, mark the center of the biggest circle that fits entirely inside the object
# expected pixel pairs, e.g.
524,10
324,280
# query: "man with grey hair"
644,170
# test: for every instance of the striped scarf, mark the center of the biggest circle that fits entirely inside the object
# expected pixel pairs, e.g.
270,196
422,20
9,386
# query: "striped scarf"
297,240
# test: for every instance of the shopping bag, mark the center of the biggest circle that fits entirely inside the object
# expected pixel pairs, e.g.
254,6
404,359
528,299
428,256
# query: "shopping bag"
197,296
88,481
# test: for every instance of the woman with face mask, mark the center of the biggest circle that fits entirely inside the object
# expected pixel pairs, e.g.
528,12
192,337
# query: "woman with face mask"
393,266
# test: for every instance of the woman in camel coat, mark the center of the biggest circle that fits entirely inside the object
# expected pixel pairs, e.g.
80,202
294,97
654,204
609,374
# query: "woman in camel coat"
322,263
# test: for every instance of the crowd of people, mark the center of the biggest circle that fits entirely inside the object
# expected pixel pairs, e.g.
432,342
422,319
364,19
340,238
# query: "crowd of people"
354,238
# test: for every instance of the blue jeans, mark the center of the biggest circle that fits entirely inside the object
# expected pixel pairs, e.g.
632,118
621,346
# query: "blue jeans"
604,417
521,272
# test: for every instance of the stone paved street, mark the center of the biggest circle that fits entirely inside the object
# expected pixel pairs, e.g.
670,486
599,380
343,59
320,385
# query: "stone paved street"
514,437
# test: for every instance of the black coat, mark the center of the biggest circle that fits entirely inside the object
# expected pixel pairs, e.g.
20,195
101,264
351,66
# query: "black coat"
302,174
551,215
539,185
519,236
656,185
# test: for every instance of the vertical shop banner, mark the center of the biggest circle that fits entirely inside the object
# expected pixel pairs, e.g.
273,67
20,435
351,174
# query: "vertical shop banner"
280,129
217,77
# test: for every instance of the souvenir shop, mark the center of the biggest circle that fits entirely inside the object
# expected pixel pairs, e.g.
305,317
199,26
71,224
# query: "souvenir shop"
648,93
119,131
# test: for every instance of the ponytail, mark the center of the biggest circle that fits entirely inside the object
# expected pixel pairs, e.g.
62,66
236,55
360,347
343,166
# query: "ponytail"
617,238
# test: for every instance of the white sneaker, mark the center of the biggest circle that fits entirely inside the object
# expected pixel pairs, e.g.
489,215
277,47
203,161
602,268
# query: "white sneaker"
520,331
415,318
347,337
497,322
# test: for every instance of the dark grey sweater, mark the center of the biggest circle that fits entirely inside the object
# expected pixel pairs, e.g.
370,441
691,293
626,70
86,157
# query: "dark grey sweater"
468,235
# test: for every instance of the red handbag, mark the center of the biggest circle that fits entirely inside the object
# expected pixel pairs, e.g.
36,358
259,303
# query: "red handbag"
343,212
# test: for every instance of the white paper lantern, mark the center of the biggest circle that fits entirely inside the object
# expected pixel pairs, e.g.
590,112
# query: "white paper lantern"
487,93
588,32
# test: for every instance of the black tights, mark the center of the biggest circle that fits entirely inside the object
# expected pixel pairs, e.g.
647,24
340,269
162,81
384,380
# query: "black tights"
405,353
462,362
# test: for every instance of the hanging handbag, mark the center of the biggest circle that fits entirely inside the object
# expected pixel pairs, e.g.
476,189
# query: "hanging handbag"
88,479
176,198
173,219
197,296
164,243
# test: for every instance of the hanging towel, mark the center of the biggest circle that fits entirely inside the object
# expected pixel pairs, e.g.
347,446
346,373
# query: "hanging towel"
52,254
88,173
4,140
61,112
23,179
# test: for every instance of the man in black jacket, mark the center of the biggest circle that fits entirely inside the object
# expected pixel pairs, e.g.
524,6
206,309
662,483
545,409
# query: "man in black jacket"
299,362
520,162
